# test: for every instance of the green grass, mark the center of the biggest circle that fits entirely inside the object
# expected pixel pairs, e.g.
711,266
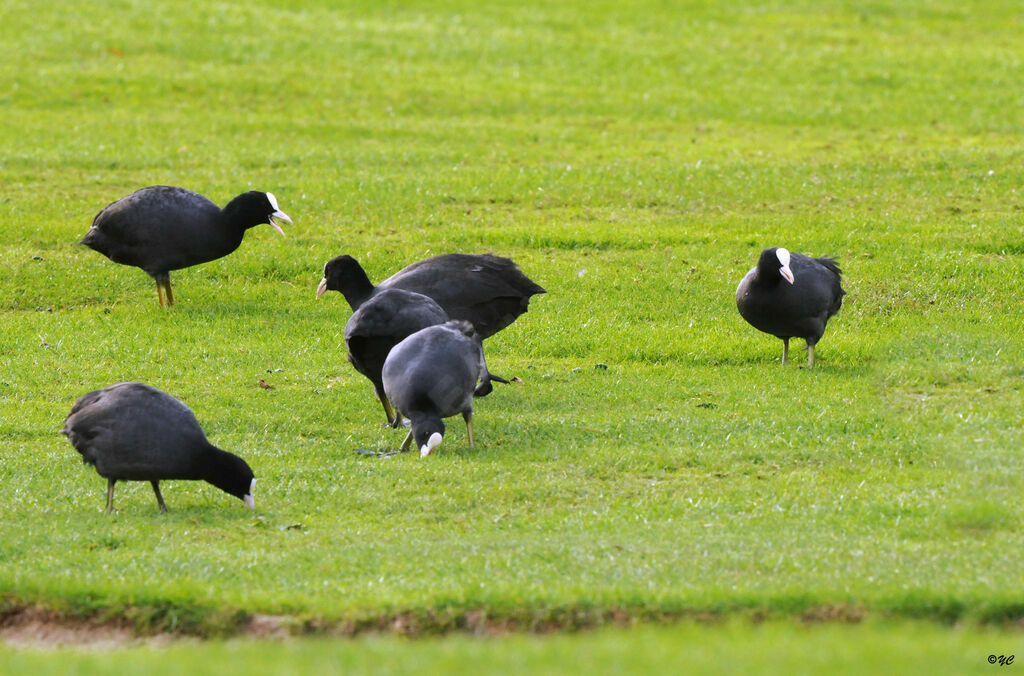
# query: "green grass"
730,648
633,159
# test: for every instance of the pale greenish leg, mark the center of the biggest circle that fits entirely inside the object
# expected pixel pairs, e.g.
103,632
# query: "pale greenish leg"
388,412
408,441
469,426
110,494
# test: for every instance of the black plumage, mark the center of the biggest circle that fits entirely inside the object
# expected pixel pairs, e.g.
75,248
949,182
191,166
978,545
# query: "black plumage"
432,375
488,291
134,432
379,324
163,228
790,295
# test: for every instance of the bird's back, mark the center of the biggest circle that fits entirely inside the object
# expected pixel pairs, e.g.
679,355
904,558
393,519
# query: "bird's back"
488,291
133,431
161,228
382,322
789,310
394,313
433,370
831,283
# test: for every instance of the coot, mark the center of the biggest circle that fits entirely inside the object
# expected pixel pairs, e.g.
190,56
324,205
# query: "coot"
378,325
431,375
790,295
163,228
134,432
488,291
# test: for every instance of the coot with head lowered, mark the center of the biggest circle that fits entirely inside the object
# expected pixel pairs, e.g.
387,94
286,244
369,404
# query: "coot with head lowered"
378,325
134,432
432,375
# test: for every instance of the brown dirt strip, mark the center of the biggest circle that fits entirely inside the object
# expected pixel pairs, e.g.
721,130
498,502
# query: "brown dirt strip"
39,627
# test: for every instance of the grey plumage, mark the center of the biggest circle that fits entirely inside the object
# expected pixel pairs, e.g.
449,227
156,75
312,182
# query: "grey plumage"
432,375
380,323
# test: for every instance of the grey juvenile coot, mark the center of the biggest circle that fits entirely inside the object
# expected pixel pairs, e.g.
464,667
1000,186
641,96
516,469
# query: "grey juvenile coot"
790,295
134,432
378,325
431,375
488,291
163,228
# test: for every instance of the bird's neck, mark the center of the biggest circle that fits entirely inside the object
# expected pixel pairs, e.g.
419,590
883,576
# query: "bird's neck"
767,277
221,469
358,290
236,219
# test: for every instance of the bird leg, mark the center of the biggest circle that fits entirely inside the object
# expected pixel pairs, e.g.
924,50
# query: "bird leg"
485,387
163,283
392,418
785,350
159,498
405,444
110,494
486,377
810,356
468,417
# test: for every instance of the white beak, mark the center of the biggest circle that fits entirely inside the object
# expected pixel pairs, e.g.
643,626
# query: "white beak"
250,501
433,442
322,288
283,216
786,273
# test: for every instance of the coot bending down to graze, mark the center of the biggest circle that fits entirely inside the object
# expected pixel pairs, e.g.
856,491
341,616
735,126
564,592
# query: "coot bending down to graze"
790,295
163,228
134,432
431,375
488,291
378,325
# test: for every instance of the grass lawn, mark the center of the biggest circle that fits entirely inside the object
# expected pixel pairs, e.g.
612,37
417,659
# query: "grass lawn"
634,159
730,648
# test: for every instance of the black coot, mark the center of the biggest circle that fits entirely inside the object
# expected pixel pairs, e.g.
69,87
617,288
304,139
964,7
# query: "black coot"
431,375
790,295
163,228
134,432
378,325
488,291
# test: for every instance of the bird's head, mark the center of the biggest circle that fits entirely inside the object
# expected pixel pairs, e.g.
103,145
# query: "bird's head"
775,262
249,500
428,435
344,274
276,213
256,208
232,475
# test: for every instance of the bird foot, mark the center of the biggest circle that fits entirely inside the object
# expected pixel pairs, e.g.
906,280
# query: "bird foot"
377,454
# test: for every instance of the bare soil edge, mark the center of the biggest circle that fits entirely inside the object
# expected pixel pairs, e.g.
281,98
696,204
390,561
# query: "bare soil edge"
39,627
34,626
